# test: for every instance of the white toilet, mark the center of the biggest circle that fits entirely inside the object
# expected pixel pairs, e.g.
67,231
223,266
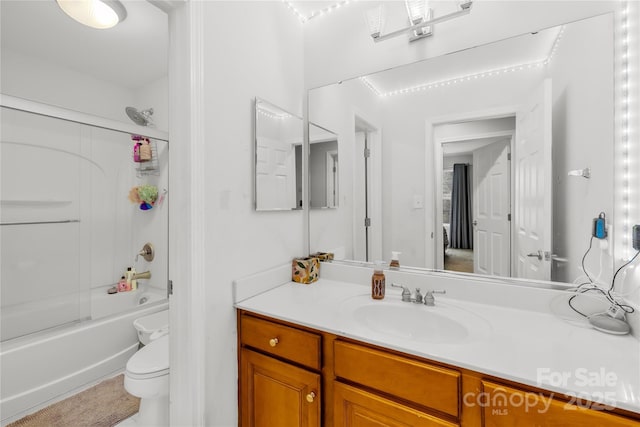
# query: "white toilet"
147,372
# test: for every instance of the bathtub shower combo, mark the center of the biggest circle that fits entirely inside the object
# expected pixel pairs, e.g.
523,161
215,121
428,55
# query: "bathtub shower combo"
68,234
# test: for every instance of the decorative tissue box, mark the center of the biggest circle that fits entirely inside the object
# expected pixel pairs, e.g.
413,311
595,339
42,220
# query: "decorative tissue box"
305,270
323,256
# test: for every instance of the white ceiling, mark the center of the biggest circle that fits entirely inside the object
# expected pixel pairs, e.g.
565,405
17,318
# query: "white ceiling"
524,49
131,54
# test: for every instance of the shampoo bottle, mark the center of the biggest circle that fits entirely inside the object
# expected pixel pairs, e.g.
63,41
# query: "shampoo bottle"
377,281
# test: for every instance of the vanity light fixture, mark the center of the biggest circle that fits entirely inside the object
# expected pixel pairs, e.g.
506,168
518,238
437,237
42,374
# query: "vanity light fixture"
421,20
100,14
419,12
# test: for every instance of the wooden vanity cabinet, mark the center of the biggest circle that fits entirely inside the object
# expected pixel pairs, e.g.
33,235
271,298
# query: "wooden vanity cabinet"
279,375
508,406
354,406
292,376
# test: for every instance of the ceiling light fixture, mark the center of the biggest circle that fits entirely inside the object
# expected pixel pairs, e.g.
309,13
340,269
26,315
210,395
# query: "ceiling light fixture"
421,20
418,13
100,14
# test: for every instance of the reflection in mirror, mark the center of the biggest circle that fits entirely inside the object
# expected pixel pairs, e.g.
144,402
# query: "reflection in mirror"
278,167
323,168
513,118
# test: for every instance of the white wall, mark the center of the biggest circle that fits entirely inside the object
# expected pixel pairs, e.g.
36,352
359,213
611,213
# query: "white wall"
154,95
583,131
264,61
32,78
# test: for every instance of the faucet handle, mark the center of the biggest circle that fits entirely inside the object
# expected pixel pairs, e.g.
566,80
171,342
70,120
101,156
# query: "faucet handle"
418,299
429,299
406,293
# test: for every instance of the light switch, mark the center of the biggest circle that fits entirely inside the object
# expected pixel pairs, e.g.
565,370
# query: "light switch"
418,202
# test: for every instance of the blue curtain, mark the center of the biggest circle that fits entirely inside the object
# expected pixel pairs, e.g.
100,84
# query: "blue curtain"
461,223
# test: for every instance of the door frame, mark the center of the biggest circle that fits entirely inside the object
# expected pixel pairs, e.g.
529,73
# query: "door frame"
434,252
375,183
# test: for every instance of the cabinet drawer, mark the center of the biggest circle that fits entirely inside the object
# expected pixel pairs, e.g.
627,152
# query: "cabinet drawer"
504,406
282,341
430,386
355,407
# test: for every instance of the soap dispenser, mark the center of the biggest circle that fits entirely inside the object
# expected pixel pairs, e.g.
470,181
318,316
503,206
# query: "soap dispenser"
377,281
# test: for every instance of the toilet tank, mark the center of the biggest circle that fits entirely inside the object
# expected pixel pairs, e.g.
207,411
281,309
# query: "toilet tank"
147,325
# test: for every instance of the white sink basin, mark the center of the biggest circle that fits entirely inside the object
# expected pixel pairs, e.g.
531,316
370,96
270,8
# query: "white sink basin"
443,323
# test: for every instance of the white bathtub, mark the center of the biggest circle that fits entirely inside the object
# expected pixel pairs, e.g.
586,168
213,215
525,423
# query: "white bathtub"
42,367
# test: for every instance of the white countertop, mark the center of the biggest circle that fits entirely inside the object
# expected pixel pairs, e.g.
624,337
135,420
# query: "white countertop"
527,346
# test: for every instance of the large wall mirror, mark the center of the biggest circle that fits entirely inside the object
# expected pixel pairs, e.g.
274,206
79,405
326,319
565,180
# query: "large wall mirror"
278,155
324,191
492,160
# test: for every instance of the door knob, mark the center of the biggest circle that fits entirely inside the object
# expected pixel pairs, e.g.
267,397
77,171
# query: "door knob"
536,255
273,342
311,397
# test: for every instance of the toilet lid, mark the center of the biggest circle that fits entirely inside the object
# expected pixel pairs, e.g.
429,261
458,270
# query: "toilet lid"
151,359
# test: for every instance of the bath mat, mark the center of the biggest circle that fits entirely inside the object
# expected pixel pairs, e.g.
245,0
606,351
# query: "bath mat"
102,405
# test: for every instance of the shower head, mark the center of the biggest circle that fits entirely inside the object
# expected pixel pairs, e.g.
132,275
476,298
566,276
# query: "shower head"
142,118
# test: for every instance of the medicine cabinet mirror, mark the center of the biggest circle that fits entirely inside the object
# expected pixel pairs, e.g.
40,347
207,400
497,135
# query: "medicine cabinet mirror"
278,158
473,156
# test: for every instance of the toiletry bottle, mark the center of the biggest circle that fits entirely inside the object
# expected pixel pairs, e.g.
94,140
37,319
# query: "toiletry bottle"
145,150
134,282
377,281
123,286
136,152
395,260
128,275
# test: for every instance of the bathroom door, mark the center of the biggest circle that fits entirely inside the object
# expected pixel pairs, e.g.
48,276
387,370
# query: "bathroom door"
533,219
275,174
492,209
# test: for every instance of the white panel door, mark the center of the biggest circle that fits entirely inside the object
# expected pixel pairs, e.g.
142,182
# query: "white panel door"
491,209
275,174
533,215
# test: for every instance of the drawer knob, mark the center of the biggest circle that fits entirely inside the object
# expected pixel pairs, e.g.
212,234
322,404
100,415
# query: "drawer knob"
311,397
273,342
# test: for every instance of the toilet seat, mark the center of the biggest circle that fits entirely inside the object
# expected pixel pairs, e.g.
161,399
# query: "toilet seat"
151,361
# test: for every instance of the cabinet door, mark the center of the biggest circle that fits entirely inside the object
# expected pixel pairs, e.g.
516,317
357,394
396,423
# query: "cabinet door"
274,393
357,408
505,406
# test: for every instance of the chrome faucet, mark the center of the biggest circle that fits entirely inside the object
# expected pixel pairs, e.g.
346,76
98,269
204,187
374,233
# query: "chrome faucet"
429,299
418,298
406,293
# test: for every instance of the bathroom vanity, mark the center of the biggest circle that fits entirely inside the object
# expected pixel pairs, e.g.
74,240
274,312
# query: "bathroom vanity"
314,355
